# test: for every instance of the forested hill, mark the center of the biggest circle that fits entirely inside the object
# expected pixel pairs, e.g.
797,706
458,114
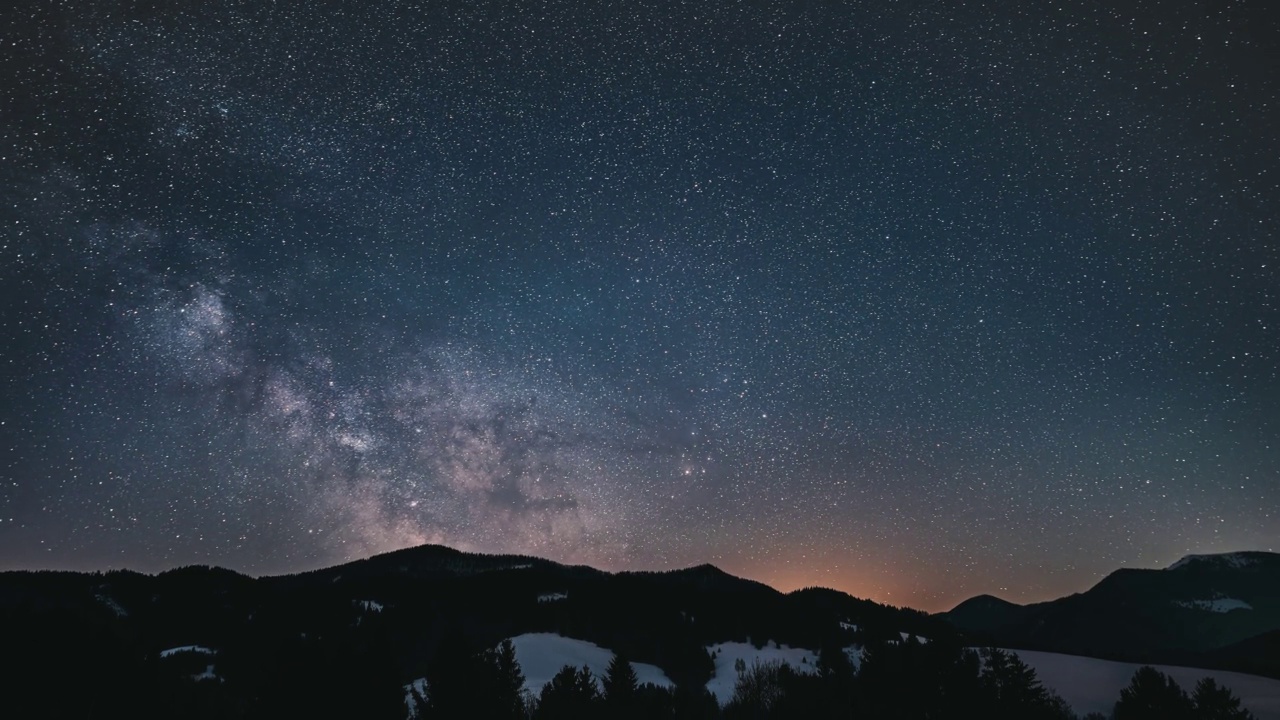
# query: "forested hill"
431,632
386,618
1220,611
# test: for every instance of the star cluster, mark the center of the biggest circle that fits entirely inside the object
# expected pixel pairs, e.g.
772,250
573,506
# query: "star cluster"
915,302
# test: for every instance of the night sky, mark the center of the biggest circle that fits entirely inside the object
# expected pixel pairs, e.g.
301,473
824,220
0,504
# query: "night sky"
914,300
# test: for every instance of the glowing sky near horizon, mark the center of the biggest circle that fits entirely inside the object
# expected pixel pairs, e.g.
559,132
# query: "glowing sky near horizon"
915,302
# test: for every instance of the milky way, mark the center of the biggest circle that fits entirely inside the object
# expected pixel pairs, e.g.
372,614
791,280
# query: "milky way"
916,302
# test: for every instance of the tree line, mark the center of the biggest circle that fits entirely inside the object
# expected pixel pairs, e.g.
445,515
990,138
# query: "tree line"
902,680
311,660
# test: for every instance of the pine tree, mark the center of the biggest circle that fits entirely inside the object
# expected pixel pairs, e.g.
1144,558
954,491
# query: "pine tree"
1013,691
477,686
653,702
1013,687
620,687
695,703
571,695
508,681
834,662
1152,695
836,676
453,679
1215,702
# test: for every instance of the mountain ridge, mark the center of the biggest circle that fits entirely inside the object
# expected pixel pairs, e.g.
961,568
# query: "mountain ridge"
1206,609
376,625
1220,611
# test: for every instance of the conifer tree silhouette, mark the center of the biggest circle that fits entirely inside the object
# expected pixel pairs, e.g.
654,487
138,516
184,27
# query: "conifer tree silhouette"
620,689
1152,695
1215,702
571,695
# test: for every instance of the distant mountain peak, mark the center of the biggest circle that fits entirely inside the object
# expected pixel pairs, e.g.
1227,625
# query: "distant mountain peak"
1213,608
984,602
1231,559
992,599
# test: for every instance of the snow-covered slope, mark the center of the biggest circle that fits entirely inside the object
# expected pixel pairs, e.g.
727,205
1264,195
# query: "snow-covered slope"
727,654
1235,560
1092,685
541,655
1218,605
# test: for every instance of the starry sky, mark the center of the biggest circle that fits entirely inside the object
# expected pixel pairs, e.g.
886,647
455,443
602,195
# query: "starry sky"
914,300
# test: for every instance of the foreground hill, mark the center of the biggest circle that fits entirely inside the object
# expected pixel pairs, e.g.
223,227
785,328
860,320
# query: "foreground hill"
386,619
378,637
1219,611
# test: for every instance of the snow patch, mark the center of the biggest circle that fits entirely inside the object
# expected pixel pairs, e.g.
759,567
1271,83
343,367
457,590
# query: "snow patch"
188,649
905,636
208,674
848,626
542,655
1219,605
727,655
411,702
552,597
855,656
1092,685
369,605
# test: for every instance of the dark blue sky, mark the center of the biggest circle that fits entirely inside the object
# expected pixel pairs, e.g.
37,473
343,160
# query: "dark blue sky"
909,300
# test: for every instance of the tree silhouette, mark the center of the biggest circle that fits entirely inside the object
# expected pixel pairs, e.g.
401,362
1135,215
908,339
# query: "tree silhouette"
507,689
653,702
836,677
833,661
487,685
1013,690
1152,695
695,703
758,691
620,687
452,679
571,695
1215,702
